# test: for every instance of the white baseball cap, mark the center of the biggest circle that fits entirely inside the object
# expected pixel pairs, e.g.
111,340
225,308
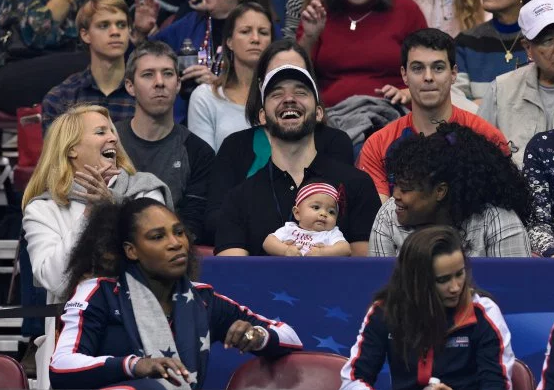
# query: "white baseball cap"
290,72
535,16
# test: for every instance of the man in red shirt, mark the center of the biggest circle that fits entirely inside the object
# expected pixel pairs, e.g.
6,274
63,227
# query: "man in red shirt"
428,70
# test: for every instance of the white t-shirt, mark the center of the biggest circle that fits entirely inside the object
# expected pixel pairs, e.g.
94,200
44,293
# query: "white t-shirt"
308,239
213,118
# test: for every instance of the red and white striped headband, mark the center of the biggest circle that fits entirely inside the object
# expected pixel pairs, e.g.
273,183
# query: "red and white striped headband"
316,188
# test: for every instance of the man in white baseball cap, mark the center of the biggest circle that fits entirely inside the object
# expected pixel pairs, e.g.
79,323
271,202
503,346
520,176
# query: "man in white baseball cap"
520,103
263,203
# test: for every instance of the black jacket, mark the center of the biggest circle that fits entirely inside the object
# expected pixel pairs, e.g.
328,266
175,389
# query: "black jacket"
236,155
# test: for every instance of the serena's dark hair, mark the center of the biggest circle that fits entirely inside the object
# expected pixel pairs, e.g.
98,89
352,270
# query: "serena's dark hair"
476,171
413,309
128,225
96,252
254,102
99,250
429,38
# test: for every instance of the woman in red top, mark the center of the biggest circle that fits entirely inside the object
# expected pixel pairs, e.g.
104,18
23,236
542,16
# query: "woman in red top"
355,45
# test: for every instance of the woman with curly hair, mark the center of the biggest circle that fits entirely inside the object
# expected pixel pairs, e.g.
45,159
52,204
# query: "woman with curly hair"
136,318
430,322
455,177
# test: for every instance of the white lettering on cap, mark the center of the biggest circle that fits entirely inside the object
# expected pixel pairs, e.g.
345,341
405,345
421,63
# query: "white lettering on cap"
540,9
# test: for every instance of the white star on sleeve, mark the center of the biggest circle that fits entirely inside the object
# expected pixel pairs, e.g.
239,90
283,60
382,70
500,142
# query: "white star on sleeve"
192,377
205,342
189,296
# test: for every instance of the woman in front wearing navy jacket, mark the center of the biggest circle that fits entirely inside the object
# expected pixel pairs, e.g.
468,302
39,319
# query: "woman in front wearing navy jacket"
151,327
429,322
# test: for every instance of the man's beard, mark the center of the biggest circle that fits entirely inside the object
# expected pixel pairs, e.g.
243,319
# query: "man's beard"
291,135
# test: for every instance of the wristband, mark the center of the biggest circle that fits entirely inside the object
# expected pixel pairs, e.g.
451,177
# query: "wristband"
133,366
127,364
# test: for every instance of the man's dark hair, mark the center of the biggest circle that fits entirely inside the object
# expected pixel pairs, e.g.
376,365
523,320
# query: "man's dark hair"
430,38
155,48
254,102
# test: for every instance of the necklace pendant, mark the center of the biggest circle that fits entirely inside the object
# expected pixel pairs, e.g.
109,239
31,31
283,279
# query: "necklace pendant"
352,25
508,56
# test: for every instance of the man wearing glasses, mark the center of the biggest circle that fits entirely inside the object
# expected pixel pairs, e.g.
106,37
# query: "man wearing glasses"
520,103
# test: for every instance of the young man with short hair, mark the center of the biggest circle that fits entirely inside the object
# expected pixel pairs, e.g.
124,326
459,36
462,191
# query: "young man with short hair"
428,70
103,26
157,144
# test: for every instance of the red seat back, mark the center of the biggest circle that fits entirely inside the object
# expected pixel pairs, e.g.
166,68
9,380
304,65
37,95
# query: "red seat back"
297,371
12,375
204,250
522,377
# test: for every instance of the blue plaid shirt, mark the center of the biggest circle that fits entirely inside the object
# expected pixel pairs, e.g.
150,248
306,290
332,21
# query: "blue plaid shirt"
82,88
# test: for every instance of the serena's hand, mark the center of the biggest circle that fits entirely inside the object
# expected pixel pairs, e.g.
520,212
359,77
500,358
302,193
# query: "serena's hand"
157,367
244,336
441,386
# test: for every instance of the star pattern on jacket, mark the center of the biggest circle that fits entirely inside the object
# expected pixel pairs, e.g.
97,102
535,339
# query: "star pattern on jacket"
188,295
192,377
205,342
167,353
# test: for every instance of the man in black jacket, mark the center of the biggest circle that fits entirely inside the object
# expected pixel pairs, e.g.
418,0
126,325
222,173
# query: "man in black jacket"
263,203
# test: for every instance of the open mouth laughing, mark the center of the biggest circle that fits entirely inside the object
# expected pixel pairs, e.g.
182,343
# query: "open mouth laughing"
109,154
290,114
